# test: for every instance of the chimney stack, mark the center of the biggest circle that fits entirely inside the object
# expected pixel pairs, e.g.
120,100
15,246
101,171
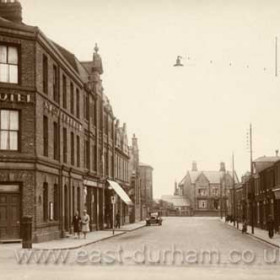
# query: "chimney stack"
194,166
277,152
222,167
11,10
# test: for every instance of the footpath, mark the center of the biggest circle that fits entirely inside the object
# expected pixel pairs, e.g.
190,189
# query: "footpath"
74,243
259,234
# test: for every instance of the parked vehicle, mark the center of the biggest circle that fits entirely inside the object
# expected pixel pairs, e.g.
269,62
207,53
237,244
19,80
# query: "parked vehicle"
154,219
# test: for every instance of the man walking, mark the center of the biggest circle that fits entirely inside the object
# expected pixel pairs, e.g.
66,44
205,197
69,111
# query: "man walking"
118,224
270,226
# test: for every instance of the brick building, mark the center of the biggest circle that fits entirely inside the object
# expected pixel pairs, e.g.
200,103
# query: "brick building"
134,174
207,191
258,196
146,189
57,134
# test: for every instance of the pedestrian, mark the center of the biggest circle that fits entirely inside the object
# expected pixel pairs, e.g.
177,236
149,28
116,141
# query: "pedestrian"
85,223
118,222
270,226
244,227
77,224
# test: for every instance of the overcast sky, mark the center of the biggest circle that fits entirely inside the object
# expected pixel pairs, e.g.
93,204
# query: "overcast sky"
201,111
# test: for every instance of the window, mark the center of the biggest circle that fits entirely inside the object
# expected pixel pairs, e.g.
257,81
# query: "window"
55,141
202,204
78,151
64,92
45,201
64,145
9,130
86,107
45,74
93,112
77,103
55,84
56,202
86,157
45,136
94,158
72,149
202,192
72,98
79,199
8,64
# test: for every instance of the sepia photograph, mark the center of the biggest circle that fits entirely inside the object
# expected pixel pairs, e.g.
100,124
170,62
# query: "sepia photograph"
139,139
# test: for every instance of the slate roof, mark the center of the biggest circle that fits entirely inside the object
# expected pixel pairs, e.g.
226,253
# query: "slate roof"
144,165
213,177
176,200
18,26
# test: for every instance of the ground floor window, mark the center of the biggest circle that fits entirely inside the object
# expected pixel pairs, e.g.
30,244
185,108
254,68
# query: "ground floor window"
202,204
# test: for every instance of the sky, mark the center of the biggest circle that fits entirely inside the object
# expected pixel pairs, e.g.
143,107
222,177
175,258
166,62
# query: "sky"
201,111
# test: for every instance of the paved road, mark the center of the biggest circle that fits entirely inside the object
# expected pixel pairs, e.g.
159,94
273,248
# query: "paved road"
195,248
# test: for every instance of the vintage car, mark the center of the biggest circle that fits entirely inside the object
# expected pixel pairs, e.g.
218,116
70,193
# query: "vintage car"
154,219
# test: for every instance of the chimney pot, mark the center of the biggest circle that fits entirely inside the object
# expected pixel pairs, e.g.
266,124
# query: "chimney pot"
11,10
194,166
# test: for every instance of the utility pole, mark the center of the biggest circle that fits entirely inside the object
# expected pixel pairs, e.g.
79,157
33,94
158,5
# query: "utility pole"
252,181
276,56
233,189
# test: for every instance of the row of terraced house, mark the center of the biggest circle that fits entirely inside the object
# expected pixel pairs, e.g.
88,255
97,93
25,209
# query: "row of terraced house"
258,196
61,147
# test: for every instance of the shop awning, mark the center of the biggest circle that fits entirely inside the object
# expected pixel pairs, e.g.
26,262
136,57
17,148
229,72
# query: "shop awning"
120,192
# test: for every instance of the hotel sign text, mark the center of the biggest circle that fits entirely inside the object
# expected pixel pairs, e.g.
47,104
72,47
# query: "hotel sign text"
18,98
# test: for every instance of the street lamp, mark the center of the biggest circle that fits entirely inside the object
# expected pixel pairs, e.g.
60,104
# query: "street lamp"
178,61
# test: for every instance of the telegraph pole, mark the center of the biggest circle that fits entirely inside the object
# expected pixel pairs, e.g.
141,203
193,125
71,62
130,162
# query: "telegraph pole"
276,56
233,189
252,180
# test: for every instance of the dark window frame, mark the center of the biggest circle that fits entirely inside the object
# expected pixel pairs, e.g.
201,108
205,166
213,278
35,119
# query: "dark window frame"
45,136
45,74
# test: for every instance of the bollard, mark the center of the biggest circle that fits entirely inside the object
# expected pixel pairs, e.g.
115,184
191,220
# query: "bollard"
27,232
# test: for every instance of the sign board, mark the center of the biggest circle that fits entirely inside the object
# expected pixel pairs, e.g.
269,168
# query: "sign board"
113,199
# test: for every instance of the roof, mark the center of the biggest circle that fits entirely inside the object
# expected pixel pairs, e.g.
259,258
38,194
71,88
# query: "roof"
267,159
70,57
194,175
176,200
264,162
141,164
19,26
213,177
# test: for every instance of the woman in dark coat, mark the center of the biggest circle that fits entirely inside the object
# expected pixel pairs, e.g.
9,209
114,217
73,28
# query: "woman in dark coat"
77,224
270,226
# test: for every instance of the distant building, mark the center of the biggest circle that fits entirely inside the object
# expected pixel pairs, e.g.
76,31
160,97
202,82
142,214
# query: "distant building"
164,208
134,173
207,191
146,177
180,204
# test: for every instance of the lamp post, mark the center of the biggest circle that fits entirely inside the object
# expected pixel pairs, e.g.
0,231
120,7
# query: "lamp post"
113,201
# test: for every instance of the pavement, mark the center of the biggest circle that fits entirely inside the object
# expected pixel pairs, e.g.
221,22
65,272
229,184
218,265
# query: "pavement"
171,251
259,234
72,242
